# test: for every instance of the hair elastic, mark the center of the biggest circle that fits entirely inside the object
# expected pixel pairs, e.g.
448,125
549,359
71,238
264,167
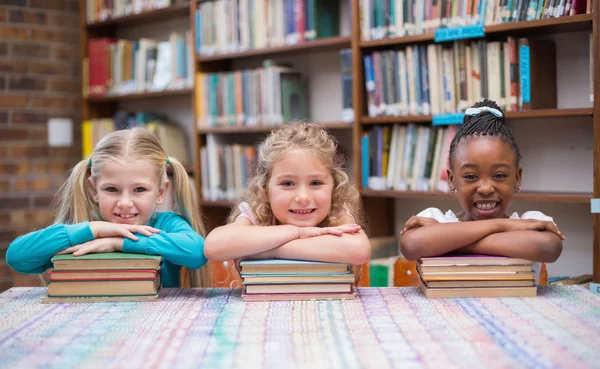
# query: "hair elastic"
475,111
90,162
168,160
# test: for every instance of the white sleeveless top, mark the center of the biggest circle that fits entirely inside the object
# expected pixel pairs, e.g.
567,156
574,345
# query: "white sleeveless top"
450,217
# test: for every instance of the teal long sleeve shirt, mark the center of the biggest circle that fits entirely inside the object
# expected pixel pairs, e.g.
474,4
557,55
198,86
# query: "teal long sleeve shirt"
177,243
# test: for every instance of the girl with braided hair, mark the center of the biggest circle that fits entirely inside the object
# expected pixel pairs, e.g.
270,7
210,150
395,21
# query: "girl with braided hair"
484,172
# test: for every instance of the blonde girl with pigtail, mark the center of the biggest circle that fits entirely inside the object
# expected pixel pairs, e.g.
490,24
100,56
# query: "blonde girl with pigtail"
109,204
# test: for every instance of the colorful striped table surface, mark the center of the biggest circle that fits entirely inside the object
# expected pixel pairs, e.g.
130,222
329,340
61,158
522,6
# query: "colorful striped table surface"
383,328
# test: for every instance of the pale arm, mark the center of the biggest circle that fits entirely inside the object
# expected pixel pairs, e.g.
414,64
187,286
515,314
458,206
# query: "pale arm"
241,238
530,245
348,248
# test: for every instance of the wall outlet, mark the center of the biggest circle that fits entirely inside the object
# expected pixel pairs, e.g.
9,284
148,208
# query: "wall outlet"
60,132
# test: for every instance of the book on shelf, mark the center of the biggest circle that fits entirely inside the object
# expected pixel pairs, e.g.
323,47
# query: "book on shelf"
122,67
172,137
102,10
346,73
267,96
107,261
230,26
407,157
443,79
472,275
392,18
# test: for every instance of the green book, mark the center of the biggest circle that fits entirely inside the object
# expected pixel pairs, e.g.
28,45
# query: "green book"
294,101
106,260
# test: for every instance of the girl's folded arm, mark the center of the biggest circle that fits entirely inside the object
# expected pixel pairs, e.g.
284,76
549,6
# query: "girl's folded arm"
32,252
541,246
348,248
241,239
441,238
177,242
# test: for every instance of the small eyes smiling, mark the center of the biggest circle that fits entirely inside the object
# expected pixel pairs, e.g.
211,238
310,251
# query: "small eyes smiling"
115,190
497,176
312,183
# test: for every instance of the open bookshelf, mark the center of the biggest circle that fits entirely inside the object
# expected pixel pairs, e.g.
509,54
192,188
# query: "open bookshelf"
151,24
379,205
382,206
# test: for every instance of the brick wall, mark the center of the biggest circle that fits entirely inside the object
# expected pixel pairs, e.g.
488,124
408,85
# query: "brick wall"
40,78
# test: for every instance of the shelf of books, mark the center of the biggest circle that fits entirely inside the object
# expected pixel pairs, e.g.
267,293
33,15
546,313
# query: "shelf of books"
416,69
250,79
133,12
128,64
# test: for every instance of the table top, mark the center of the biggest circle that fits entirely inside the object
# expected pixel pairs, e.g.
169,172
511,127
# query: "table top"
382,328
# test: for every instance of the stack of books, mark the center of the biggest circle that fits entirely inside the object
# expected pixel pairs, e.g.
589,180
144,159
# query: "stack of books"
277,279
114,276
462,275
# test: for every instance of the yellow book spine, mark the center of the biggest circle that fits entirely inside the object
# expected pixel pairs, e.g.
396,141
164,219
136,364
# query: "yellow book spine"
87,145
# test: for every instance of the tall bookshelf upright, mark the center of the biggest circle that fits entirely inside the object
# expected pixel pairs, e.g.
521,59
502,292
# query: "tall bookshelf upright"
380,205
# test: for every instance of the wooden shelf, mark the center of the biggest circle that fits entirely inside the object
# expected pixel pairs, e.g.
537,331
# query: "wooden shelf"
543,197
331,43
155,15
266,128
574,23
524,114
144,95
218,203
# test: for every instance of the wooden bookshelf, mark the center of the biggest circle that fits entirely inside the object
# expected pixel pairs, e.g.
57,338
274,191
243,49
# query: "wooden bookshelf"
266,128
218,203
380,205
139,96
523,114
539,197
156,15
575,23
325,44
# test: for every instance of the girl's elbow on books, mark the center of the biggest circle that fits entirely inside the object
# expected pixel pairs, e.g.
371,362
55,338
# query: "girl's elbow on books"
19,262
409,246
361,254
213,249
553,250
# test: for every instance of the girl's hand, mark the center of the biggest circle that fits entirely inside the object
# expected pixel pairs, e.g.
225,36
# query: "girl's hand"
416,222
532,225
106,244
308,232
102,229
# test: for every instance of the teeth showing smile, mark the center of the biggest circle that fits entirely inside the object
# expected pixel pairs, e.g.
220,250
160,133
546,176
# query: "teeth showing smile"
125,216
488,205
299,211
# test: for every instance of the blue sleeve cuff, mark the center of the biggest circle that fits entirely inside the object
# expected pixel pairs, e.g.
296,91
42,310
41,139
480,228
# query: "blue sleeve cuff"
132,246
79,233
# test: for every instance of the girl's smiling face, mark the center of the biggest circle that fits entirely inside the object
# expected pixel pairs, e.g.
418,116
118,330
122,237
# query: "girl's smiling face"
300,189
128,192
484,172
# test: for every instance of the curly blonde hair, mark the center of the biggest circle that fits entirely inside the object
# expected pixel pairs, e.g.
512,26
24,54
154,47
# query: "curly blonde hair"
312,138
74,202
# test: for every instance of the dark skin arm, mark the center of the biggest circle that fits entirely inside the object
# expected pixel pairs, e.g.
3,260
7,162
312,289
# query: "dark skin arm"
535,240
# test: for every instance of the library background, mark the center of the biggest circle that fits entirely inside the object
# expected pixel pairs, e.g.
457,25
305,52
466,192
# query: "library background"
389,79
